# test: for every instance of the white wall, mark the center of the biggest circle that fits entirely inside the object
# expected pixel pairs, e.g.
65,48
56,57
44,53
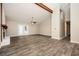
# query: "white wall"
58,31
62,24
75,22
56,25
45,27
13,28
3,16
33,28
42,28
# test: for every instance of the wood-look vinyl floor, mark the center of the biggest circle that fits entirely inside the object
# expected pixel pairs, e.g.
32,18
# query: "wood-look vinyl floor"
39,46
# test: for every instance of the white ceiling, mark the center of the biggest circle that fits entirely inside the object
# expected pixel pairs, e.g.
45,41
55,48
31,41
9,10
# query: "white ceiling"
24,12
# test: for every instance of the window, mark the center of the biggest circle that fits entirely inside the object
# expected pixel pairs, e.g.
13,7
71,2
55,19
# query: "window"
23,29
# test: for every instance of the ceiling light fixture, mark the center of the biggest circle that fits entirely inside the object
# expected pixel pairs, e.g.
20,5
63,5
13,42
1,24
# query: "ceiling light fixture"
33,21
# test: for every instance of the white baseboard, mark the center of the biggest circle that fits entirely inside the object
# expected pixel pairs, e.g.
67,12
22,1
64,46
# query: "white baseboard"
27,34
5,41
63,37
74,42
16,35
60,38
55,38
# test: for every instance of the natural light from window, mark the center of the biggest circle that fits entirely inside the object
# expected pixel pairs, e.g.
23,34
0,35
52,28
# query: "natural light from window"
22,29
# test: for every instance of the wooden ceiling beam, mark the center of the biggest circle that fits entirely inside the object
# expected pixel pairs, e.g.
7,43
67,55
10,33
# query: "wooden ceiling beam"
44,7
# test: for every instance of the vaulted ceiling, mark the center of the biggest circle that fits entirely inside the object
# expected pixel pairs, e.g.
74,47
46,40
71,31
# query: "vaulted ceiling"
65,7
24,12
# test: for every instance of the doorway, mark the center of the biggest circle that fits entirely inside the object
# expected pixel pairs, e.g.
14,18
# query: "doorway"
67,22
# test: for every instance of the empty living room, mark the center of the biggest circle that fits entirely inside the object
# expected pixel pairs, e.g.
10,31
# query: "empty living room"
39,29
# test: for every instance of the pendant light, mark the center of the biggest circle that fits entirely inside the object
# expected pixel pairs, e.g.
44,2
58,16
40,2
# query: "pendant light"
33,21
